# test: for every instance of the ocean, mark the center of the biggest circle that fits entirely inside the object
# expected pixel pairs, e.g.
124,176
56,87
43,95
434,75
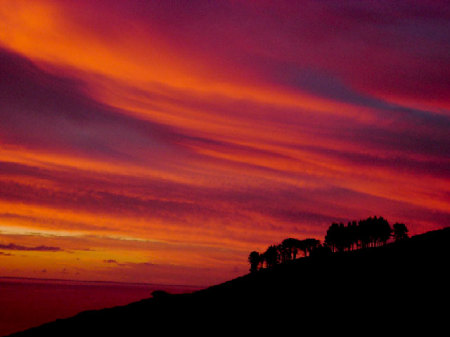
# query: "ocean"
25,303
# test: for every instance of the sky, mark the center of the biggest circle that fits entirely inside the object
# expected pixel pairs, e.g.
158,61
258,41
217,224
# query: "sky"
162,141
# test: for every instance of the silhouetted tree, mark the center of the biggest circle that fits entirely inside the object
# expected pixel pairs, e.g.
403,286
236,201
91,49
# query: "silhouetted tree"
271,256
400,231
302,247
321,251
292,247
262,260
370,232
352,232
374,231
364,233
340,239
367,232
284,253
343,238
331,238
254,260
310,245
384,230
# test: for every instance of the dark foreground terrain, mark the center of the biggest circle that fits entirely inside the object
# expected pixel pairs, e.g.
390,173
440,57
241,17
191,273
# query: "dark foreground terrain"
400,287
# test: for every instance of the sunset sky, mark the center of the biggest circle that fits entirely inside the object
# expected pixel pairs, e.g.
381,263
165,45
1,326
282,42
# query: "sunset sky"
162,141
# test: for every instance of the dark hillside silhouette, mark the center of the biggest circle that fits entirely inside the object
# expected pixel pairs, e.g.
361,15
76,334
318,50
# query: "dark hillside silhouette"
395,287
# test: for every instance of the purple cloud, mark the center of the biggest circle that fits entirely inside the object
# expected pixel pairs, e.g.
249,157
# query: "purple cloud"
13,246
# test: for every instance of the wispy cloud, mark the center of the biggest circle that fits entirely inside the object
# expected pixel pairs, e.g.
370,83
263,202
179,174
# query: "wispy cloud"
13,246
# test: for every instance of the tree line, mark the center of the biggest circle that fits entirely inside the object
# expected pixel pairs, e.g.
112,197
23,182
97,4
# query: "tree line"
371,232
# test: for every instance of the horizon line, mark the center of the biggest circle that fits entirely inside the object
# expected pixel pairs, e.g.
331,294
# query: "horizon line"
98,281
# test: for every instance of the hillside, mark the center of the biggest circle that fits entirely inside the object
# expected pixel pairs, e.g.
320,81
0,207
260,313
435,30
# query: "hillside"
395,286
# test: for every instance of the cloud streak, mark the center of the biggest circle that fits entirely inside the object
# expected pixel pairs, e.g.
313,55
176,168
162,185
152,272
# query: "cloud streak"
13,246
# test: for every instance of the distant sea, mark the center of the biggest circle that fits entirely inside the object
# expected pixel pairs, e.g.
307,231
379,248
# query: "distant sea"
25,303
